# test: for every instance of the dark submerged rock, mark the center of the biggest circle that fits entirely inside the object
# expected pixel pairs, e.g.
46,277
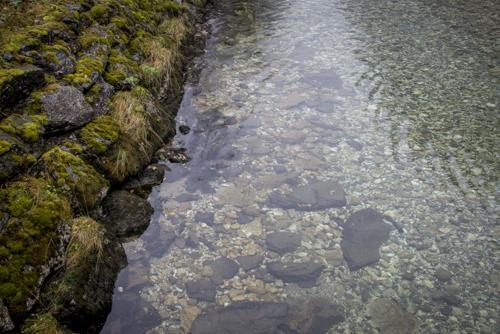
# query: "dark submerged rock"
364,233
314,316
283,242
304,274
172,154
126,213
243,318
66,109
202,289
249,262
315,196
184,129
223,269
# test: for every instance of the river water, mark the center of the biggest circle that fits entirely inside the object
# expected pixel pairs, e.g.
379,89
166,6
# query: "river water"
296,105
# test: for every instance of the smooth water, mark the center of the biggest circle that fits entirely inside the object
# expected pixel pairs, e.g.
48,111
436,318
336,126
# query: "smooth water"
398,102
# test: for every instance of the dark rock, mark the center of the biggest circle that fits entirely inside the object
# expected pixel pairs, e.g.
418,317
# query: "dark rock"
304,274
243,318
66,109
6,323
85,301
249,262
17,84
157,241
364,233
388,316
150,177
223,269
315,196
283,242
354,144
202,289
314,316
184,129
174,155
99,96
448,294
204,217
443,275
126,213
280,169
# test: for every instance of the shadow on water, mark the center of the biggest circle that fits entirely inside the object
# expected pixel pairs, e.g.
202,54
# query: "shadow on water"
435,69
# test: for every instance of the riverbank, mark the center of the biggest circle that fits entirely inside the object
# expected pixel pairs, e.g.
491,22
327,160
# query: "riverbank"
89,92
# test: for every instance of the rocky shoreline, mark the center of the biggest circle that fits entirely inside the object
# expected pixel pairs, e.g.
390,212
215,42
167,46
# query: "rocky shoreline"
89,92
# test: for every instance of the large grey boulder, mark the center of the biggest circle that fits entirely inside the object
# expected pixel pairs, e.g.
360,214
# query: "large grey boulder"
66,109
364,232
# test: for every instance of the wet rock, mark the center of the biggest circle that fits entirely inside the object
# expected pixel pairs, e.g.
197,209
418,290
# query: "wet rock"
150,177
315,196
442,275
334,257
6,323
243,318
126,213
304,274
188,315
223,269
202,289
17,84
388,316
249,262
184,129
283,242
314,316
172,154
66,109
363,234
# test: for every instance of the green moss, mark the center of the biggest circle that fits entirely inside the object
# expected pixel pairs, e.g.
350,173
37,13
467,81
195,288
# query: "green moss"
72,146
72,176
5,146
35,211
98,11
121,70
100,134
27,127
87,69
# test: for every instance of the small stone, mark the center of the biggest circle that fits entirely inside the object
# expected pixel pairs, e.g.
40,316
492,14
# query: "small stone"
388,316
248,262
188,314
283,242
184,129
443,275
304,274
223,269
334,257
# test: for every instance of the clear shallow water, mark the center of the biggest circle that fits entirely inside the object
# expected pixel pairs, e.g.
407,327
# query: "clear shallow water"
397,101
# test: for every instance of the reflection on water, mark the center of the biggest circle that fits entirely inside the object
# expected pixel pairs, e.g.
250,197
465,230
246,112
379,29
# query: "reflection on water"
344,162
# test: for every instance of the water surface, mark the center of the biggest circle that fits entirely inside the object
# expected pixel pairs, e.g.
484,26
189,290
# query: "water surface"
396,102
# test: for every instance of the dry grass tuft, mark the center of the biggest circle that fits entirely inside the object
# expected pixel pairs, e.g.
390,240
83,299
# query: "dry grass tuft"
86,237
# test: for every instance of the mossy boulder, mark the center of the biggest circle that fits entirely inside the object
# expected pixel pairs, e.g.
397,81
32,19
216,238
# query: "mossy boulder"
80,296
17,83
122,71
42,323
73,177
15,156
66,109
99,97
29,240
27,127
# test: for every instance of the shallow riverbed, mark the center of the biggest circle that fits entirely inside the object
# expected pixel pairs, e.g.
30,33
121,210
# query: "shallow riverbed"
324,133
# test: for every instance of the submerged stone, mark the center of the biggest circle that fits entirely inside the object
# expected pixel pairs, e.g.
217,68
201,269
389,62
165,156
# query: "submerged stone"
304,274
202,289
364,233
314,196
243,318
388,316
223,269
249,262
314,316
283,242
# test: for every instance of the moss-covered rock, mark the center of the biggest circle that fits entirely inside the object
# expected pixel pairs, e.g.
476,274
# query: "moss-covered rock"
27,127
42,323
15,156
122,71
74,178
100,134
28,239
17,83
80,297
